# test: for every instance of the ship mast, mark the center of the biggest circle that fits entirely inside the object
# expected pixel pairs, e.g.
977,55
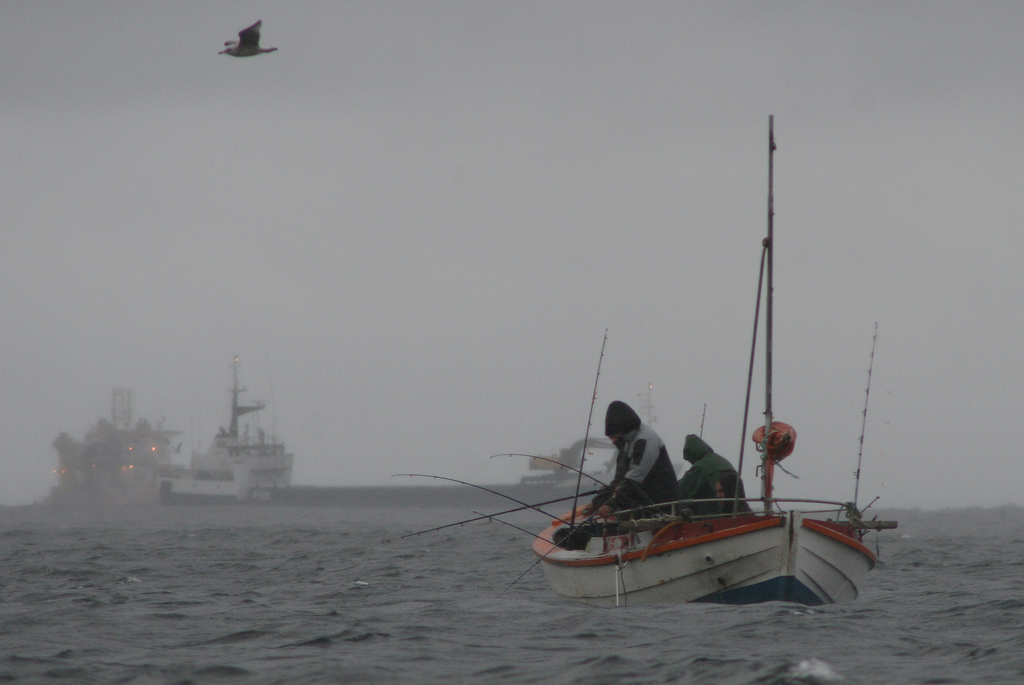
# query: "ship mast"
766,486
768,295
646,406
237,410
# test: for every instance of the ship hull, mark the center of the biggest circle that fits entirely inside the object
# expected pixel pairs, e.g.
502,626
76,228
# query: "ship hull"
190,490
755,559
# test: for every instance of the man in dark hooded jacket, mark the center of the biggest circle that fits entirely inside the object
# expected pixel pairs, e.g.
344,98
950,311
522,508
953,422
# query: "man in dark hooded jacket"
643,470
701,480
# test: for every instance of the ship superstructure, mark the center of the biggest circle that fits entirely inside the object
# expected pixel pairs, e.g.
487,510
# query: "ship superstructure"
118,462
238,467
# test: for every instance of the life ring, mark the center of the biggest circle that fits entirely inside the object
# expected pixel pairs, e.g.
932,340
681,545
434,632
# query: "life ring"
781,440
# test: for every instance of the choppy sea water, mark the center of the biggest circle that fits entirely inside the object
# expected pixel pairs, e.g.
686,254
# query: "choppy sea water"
311,595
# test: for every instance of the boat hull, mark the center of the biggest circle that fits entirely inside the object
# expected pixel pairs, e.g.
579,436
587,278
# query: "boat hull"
198,491
733,561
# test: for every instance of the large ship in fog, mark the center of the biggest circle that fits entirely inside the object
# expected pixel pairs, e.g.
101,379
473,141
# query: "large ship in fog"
118,462
241,466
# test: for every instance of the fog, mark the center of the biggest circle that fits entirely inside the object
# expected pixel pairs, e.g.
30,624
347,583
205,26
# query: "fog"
415,222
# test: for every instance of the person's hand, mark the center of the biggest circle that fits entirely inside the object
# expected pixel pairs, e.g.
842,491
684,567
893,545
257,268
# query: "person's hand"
604,512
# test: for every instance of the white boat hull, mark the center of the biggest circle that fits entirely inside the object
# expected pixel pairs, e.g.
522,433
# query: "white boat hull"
756,559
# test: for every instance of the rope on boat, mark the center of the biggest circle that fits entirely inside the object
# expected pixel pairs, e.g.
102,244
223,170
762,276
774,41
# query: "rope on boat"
750,374
618,578
657,535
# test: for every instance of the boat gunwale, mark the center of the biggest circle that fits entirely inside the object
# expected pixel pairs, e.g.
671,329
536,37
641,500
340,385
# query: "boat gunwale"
544,551
820,527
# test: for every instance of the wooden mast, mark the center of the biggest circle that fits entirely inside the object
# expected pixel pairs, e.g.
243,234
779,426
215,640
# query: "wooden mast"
766,476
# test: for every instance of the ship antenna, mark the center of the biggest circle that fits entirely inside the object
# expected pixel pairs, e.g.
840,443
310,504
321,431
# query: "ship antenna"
234,398
864,419
646,405
273,405
586,434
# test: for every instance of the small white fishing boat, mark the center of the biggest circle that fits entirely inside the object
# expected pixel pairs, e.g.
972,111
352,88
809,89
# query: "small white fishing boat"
755,557
805,551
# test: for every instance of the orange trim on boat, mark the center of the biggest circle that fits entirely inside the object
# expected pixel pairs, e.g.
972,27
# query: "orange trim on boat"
544,550
819,527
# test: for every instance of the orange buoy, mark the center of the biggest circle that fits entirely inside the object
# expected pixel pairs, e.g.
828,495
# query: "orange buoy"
781,440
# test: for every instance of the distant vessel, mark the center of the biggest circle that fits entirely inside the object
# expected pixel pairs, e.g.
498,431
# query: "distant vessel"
236,469
561,469
117,463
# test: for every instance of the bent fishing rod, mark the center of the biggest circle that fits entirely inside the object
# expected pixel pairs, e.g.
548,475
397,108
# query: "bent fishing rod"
479,487
494,517
523,574
586,435
534,564
539,559
864,420
481,517
555,461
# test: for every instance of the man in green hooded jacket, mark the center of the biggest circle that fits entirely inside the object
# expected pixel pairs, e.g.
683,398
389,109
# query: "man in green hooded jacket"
700,481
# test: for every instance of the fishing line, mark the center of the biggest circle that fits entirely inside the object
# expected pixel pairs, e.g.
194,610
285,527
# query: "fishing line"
483,516
479,487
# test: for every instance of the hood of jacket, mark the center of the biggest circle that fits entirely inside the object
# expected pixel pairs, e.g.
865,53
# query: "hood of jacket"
694,449
620,419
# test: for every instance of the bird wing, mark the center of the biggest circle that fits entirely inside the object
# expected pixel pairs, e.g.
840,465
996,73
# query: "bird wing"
250,36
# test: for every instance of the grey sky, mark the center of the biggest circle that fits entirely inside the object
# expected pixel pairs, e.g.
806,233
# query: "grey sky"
415,221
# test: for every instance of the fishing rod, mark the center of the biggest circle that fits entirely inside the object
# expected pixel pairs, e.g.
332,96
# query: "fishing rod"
521,575
479,487
493,517
533,565
483,516
864,420
702,415
554,461
586,434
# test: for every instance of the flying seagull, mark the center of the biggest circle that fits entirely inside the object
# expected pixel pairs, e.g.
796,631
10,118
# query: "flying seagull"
248,43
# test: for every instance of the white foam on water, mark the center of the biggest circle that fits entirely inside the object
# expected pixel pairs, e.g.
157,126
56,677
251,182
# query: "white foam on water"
815,669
